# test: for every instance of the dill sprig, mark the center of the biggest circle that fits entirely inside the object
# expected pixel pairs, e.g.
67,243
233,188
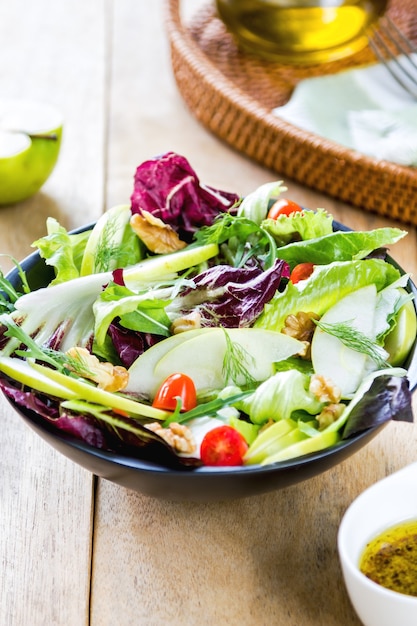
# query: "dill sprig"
235,363
106,251
354,339
59,360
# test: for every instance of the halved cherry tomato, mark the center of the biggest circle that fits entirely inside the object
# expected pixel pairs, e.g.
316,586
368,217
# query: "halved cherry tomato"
283,207
223,445
176,386
301,272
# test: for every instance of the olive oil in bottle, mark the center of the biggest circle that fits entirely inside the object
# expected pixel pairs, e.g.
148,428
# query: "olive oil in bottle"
301,31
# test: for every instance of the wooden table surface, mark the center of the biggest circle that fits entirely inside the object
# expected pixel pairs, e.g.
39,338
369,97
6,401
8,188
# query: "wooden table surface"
77,550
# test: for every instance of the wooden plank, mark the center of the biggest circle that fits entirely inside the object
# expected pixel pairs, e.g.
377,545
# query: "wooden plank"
53,52
266,560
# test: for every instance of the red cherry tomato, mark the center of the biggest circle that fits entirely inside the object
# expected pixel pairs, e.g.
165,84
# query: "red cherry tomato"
301,272
223,446
174,387
283,207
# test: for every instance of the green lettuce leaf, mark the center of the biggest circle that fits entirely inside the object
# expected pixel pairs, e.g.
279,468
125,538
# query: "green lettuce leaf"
326,286
140,312
255,205
339,246
279,396
62,250
302,225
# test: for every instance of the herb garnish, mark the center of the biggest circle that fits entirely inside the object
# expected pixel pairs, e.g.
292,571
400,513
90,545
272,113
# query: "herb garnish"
355,340
234,363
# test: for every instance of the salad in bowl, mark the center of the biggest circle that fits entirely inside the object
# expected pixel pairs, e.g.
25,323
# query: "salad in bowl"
196,329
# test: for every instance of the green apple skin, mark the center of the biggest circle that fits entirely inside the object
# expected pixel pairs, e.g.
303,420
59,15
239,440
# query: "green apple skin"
23,174
401,339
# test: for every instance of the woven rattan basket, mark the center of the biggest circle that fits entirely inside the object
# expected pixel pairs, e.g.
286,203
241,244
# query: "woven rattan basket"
233,93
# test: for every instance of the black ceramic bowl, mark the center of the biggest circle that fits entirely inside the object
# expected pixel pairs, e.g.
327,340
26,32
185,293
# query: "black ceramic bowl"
204,484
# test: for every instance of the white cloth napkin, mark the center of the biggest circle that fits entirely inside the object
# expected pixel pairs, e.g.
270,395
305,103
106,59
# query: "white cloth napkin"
364,109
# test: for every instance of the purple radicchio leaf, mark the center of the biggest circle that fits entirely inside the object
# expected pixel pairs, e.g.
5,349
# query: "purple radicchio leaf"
141,443
24,398
168,187
388,398
233,297
83,427
130,344
80,426
138,441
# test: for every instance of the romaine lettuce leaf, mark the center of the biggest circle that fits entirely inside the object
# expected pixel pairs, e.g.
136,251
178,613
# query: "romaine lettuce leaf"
339,246
326,285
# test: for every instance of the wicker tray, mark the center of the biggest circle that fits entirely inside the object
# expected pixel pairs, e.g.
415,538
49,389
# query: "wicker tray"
233,93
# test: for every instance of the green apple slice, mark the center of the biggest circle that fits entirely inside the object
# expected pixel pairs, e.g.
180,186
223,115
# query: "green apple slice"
141,372
23,372
202,357
52,382
30,140
330,357
86,391
400,340
294,449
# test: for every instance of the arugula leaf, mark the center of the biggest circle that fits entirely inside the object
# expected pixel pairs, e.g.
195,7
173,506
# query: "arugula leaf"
244,240
7,287
61,361
142,312
209,408
34,351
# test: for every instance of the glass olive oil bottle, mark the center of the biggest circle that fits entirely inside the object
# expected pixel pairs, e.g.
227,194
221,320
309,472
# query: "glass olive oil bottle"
301,31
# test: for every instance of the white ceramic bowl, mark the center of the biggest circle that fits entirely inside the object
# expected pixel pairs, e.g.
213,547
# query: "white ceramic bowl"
388,502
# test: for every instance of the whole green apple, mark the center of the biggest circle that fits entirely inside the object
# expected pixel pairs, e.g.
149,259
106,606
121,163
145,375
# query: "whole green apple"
30,141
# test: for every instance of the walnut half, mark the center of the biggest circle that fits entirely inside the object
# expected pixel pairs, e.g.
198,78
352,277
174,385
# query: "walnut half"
107,376
176,435
301,326
157,236
192,321
330,414
324,389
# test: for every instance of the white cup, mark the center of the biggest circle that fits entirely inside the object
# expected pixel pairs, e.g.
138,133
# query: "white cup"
388,502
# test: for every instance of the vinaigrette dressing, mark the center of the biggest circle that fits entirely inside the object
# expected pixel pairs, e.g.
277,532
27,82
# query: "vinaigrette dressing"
390,559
